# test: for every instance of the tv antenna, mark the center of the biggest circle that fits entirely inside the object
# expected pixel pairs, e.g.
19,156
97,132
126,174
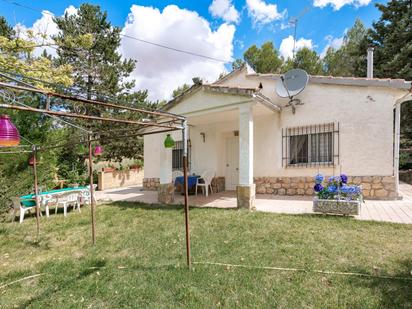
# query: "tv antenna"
292,83
294,21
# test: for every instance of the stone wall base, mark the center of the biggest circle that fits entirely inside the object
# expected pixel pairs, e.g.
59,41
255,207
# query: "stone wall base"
246,195
151,184
373,187
166,193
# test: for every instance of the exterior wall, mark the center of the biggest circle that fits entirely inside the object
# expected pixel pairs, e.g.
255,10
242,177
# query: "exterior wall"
118,179
365,116
373,187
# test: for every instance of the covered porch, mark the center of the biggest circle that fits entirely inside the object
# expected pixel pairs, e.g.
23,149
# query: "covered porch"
221,142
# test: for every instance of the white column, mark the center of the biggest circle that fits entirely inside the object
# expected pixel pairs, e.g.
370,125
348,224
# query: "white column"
245,145
397,145
165,163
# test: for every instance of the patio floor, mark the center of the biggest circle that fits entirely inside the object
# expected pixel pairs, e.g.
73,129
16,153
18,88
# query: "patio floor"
390,211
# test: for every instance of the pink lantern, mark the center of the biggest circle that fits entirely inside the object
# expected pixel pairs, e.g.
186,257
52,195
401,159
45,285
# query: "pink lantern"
9,135
31,161
98,150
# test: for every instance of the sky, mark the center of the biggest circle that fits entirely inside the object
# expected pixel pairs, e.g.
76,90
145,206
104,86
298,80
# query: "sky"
220,29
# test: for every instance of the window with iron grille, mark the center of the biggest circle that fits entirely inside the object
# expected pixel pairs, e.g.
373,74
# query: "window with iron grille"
177,156
314,145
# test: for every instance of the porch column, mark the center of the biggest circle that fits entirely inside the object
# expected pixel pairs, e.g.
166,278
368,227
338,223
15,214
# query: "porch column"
166,187
246,189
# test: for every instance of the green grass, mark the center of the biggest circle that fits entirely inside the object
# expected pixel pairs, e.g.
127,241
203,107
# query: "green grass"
139,260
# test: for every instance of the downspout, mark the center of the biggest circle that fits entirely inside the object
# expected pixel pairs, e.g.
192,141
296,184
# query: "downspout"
397,137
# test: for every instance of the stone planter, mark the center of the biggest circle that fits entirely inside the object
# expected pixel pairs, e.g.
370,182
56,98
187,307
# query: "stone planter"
336,207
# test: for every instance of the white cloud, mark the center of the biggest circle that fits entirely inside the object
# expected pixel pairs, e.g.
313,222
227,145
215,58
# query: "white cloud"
338,4
225,10
335,43
286,46
160,70
263,13
43,29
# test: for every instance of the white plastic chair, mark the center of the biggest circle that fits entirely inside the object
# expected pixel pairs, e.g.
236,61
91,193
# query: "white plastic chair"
66,200
17,206
205,181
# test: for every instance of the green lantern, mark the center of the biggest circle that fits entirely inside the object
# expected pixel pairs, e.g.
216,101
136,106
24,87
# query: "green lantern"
169,142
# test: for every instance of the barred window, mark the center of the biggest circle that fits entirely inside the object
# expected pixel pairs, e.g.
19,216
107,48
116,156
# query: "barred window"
310,145
177,156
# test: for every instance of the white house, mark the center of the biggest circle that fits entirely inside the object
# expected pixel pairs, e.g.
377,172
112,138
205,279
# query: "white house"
243,131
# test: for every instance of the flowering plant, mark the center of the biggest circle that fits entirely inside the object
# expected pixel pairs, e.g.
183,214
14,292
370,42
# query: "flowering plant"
336,188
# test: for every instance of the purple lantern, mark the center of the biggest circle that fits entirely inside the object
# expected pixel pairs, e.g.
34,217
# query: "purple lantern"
98,150
9,135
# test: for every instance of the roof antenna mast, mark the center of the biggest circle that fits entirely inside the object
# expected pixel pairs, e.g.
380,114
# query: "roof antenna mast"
294,22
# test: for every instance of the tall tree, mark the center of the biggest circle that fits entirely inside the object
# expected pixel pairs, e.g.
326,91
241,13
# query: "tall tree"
17,56
264,59
5,29
179,90
392,37
350,58
305,59
89,43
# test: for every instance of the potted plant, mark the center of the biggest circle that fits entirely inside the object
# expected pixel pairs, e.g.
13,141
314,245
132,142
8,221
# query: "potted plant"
137,165
336,196
109,169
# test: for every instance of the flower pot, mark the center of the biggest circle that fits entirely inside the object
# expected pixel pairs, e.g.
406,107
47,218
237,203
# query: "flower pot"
336,207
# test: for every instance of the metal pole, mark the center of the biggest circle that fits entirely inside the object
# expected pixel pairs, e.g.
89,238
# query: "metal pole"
185,186
92,205
36,190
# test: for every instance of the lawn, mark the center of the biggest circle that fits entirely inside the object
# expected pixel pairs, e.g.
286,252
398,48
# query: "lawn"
139,260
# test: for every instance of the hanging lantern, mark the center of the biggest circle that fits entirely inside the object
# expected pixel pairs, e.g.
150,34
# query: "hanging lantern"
169,142
98,150
31,161
9,135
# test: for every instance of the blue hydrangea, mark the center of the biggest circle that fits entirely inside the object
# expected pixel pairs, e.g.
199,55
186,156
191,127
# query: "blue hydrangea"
333,179
318,178
343,178
318,187
332,189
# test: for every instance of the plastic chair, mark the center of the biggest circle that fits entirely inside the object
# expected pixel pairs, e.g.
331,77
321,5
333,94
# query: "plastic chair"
70,199
205,181
18,206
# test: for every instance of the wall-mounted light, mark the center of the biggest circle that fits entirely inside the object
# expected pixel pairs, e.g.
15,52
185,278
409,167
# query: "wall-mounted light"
203,135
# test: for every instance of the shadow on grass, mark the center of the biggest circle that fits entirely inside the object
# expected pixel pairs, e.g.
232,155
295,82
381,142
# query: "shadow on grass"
62,281
175,207
392,293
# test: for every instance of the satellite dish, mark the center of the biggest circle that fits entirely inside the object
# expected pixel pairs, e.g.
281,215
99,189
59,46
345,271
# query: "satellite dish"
292,83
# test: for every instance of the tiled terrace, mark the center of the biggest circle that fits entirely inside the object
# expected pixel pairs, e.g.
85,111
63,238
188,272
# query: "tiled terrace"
399,211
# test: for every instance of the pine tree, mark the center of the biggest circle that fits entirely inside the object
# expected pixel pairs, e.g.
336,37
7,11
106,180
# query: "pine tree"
392,37
350,58
89,42
264,59
307,60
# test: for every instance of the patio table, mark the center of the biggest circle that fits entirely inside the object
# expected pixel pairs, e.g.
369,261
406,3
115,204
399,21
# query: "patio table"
29,200
191,182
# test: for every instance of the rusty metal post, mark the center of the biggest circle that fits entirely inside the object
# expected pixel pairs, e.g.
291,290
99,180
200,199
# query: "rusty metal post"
92,205
186,190
36,189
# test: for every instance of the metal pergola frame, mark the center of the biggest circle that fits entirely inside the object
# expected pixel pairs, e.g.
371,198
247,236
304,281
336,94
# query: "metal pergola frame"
169,122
